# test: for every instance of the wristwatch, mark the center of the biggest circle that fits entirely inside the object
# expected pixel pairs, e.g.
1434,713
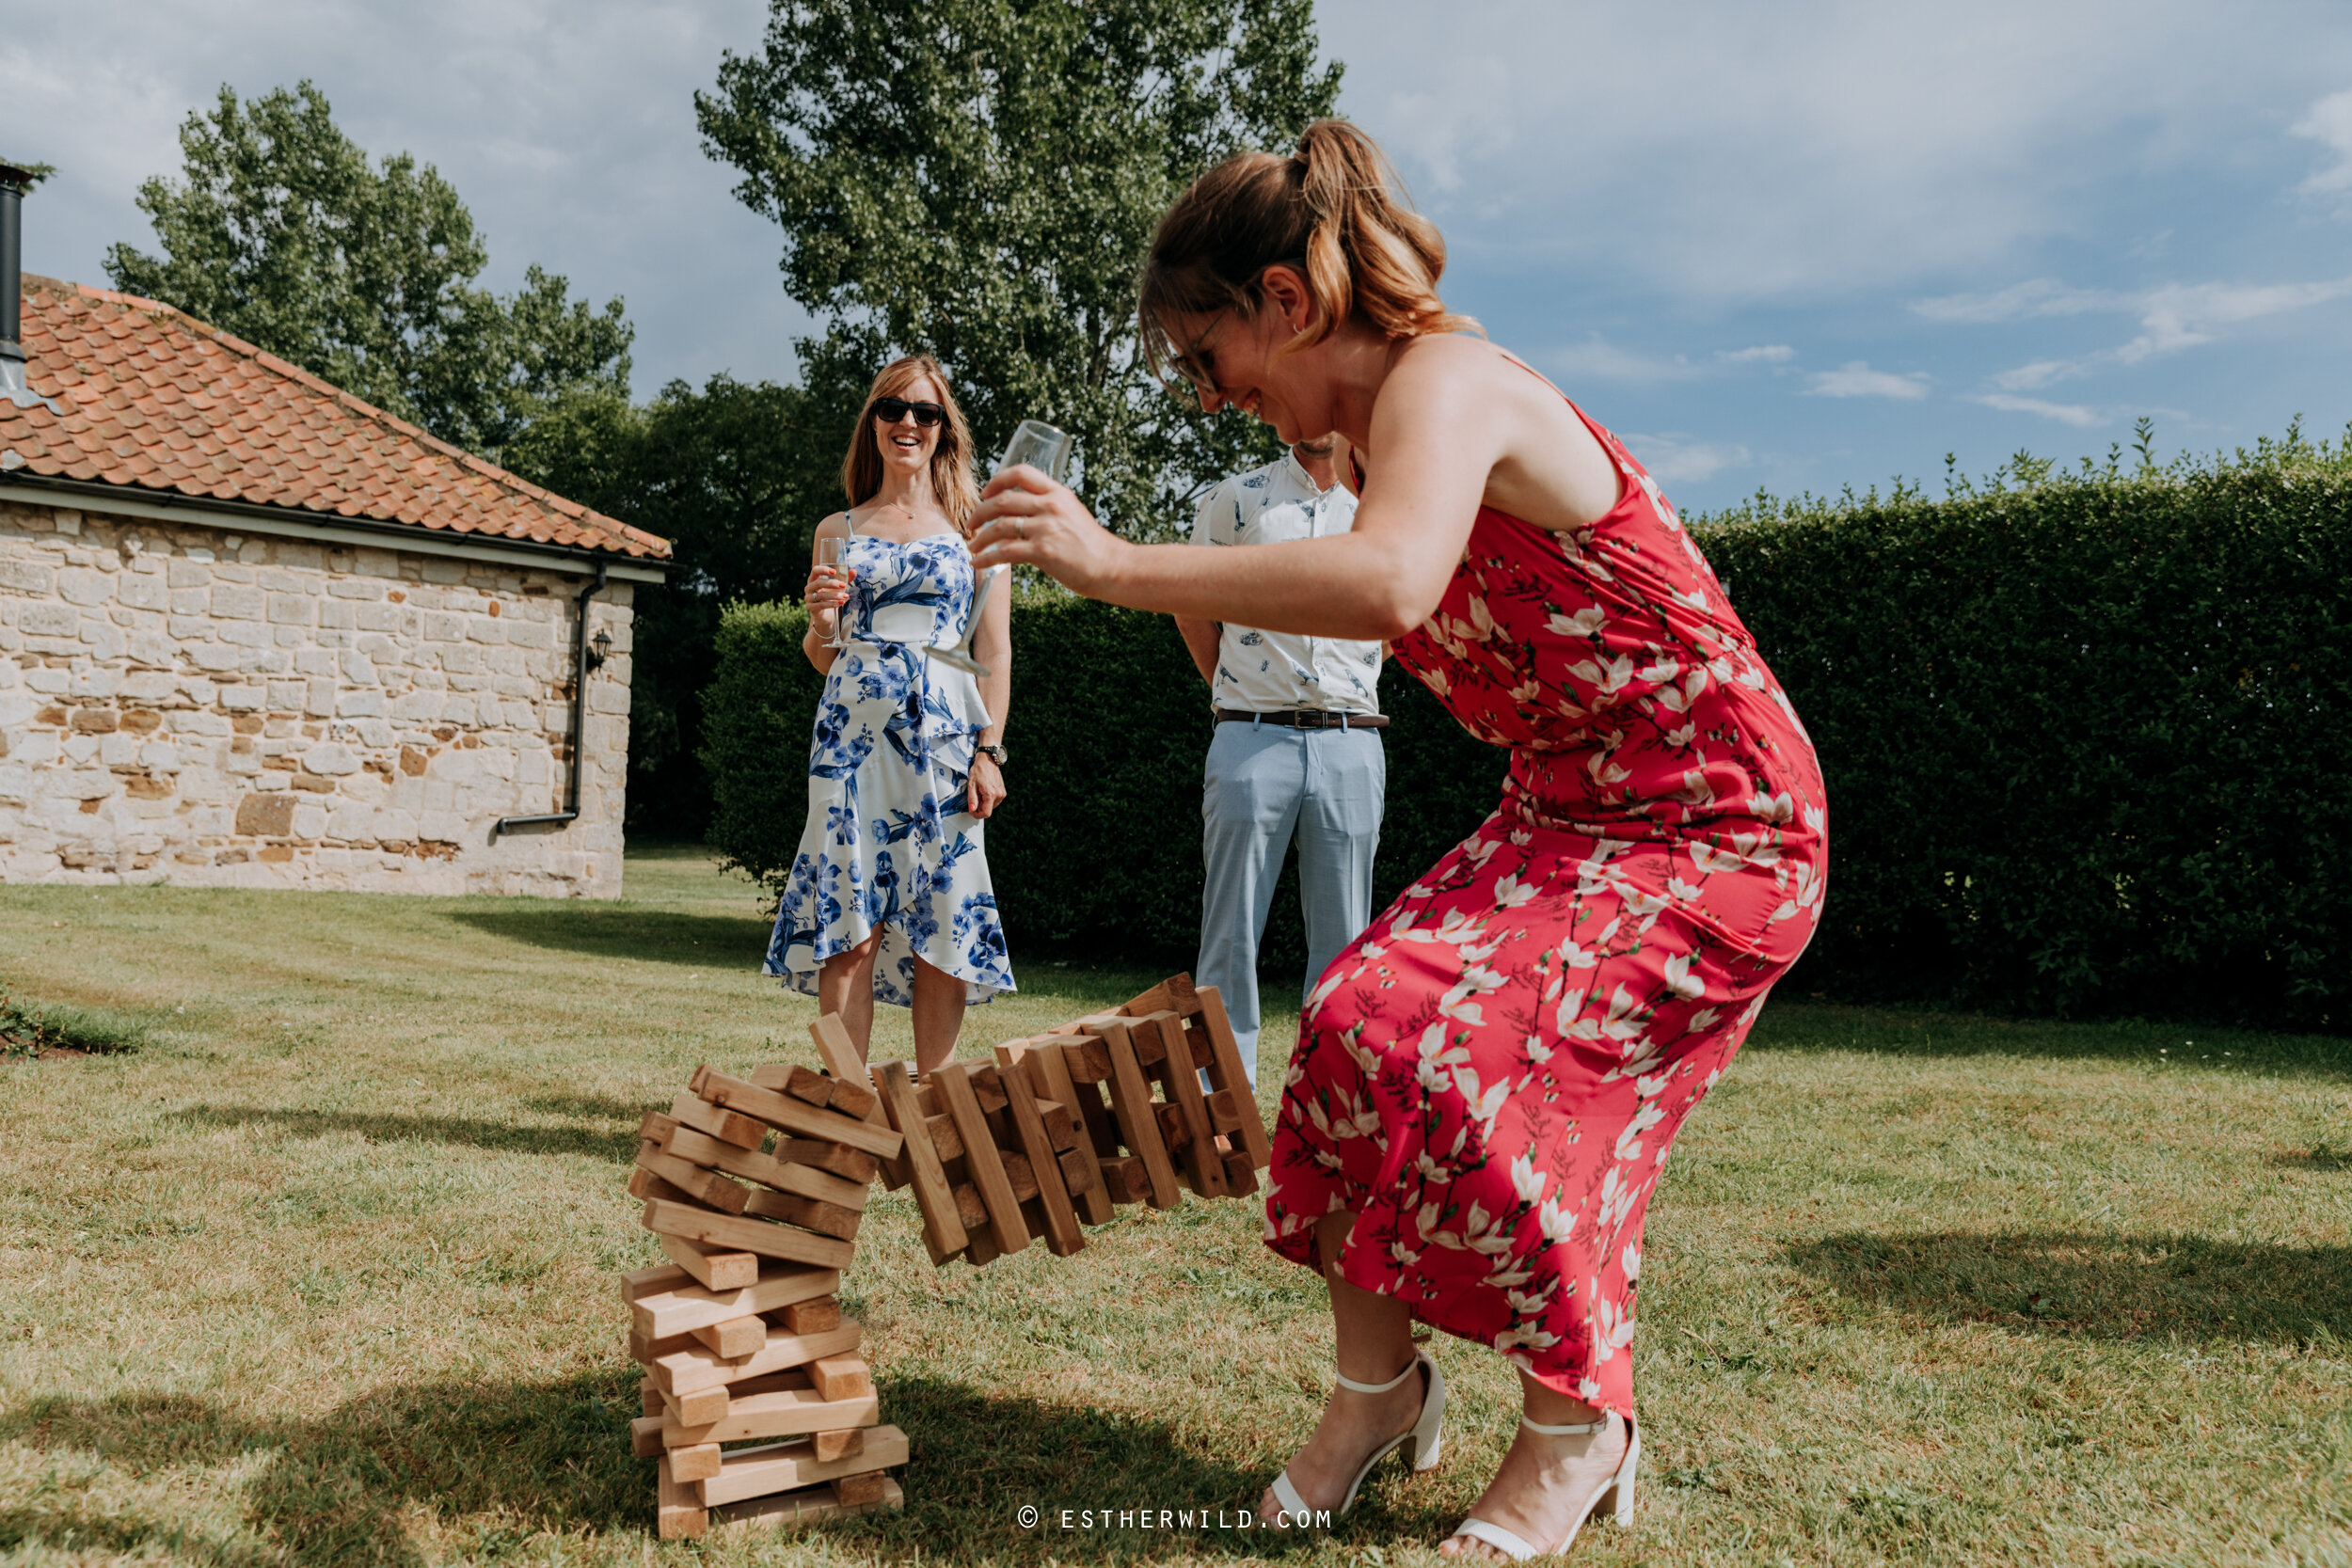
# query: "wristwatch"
995,754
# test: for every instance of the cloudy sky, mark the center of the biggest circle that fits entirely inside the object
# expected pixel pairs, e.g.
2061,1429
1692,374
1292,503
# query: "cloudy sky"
1796,246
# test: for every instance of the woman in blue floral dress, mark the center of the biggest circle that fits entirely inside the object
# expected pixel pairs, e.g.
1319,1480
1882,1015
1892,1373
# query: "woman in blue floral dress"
889,896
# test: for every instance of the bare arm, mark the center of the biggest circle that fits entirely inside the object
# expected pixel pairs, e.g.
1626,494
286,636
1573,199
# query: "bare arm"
1456,425
1202,639
992,646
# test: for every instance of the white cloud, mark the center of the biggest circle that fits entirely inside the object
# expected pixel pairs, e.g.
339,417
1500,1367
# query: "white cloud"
2038,296
2172,317
1763,354
1676,458
1856,379
2074,414
1598,360
2329,123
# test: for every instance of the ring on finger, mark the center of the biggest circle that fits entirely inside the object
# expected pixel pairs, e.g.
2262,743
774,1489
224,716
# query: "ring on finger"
1019,530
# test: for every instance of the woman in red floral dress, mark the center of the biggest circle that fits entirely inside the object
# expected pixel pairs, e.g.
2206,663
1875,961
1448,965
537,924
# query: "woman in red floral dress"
1488,1082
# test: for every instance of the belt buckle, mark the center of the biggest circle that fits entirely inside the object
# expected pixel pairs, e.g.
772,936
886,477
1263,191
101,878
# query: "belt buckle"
1306,718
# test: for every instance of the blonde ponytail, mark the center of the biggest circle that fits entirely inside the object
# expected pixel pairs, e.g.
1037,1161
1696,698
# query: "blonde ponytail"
1335,210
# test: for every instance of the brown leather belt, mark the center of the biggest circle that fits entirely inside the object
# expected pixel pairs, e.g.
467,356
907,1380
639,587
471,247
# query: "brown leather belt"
1306,718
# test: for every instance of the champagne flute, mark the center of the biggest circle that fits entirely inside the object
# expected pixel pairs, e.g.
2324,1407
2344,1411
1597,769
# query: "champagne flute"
1047,449
832,552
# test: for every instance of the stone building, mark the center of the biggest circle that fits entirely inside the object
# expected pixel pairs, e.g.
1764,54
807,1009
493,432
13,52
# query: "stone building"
256,633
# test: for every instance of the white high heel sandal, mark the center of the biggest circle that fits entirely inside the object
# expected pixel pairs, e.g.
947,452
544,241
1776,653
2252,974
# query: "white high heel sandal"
1420,1442
1519,1550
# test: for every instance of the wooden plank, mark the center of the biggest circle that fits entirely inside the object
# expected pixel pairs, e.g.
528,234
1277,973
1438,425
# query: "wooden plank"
714,1267
840,1377
804,1180
934,1198
798,1508
1124,1179
678,1512
1079,1176
980,1157
848,1444
782,1466
650,1398
643,1184
1050,1067
808,1085
1225,1111
1130,1098
684,1370
850,1164
790,1116
1182,1083
687,1307
860,1490
699,1463
644,1436
840,1055
786,1413
734,1339
725,1126
1229,1074
1240,1175
706,1186
826,1219
1062,1235
644,1350
697,1407
738,1234
639,1283
812,1317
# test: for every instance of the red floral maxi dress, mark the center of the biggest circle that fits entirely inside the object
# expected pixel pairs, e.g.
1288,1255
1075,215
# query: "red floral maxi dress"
1491,1076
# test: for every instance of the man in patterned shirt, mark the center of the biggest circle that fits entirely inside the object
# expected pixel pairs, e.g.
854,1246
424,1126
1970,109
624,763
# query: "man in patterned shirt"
1296,749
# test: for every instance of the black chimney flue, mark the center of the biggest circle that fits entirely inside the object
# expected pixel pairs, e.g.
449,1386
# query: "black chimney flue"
14,183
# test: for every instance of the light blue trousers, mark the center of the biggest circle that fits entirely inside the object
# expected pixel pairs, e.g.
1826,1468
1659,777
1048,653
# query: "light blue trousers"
1265,783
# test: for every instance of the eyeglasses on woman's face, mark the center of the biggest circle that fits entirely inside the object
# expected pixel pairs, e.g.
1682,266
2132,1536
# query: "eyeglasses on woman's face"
891,410
1197,363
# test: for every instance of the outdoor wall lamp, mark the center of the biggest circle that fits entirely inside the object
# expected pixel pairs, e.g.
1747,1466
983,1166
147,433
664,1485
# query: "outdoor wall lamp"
600,650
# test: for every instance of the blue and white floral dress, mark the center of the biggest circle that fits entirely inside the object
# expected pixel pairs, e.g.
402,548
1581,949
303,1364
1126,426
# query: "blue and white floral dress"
889,842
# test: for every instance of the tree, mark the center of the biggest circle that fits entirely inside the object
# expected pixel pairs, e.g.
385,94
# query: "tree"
281,232
980,179
736,476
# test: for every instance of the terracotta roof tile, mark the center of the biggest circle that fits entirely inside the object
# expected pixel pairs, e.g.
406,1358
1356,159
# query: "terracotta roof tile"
155,400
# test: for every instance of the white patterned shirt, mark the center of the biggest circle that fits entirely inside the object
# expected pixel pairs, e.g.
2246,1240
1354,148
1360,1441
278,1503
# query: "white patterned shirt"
1270,671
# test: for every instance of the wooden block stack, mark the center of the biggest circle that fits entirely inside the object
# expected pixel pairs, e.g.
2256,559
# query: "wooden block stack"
740,1334
1066,1124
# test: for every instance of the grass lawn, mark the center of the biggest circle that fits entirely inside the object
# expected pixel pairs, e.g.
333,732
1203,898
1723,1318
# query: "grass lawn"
323,1274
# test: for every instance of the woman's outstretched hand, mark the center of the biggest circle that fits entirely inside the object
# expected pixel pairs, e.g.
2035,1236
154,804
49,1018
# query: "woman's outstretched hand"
1027,519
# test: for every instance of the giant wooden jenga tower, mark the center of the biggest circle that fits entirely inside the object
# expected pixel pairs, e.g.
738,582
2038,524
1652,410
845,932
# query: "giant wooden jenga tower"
740,1335
1106,1109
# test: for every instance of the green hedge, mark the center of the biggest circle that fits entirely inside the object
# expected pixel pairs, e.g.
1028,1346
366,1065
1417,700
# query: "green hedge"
2088,746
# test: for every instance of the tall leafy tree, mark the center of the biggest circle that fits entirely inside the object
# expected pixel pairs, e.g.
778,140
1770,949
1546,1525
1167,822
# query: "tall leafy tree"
979,178
282,232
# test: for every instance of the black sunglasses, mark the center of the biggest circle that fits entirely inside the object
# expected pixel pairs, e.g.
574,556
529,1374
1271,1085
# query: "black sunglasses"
891,410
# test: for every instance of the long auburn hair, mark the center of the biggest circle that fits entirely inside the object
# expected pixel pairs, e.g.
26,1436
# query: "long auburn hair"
1335,210
952,484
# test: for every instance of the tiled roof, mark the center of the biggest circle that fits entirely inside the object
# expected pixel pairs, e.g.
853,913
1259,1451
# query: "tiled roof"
155,401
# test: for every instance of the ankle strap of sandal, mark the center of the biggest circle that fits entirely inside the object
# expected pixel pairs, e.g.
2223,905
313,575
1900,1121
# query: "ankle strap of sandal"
1578,1429
1410,1366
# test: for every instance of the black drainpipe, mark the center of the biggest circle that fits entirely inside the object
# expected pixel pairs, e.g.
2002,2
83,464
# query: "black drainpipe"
580,723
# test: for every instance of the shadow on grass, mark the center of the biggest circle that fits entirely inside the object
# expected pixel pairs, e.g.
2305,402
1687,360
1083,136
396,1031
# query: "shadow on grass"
1789,1023
396,1127
554,1457
2320,1158
713,941
2177,1287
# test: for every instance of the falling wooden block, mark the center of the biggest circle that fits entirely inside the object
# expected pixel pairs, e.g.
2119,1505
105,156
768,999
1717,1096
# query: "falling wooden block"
700,1149
840,1377
678,1512
724,1125
1180,1079
715,1269
934,1198
850,1164
807,1086
738,1233
1049,1073
847,1443
802,1507
982,1159
1227,1074
813,1317
793,1116
783,1467
699,1463
1138,1126
685,1305
1060,1218
1241,1176
1125,1182
734,1339
867,1487
708,1188
853,1098
826,1219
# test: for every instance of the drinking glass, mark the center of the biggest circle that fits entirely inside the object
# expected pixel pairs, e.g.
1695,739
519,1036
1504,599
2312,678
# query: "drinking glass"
1042,447
832,554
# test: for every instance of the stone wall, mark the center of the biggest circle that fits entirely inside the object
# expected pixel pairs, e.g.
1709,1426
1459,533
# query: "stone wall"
187,705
